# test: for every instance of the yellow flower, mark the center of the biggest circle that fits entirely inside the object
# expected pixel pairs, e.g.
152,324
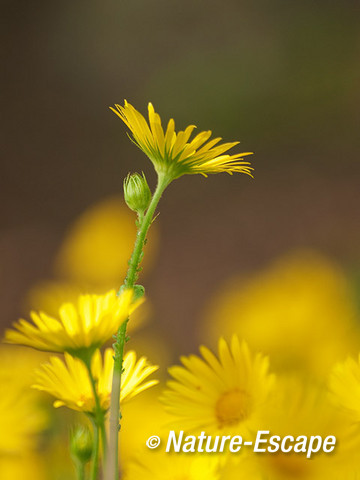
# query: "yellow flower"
299,311
28,466
172,153
166,466
240,470
17,365
344,385
301,410
21,419
219,395
48,296
69,381
141,418
80,328
98,245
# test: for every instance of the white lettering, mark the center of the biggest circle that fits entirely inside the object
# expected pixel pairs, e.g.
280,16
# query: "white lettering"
235,444
172,438
331,441
260,440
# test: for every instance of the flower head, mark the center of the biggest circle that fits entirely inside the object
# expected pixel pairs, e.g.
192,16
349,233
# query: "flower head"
69,381
50,295
303,295
80,327
31,466
344,385
21,418
156,465
303,410
173,153
219,394
99,263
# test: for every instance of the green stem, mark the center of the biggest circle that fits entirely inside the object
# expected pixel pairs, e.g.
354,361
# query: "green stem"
112,464
80,470
135,259
99,418
95,456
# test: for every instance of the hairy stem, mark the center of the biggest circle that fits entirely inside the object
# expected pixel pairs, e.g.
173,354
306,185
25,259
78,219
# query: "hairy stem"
112,464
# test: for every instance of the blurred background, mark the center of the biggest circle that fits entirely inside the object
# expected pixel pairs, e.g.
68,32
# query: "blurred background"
274,259
281,77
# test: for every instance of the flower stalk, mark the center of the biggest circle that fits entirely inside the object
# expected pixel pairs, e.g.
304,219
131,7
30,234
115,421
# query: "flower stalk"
99,427
80,470
95,458
144,222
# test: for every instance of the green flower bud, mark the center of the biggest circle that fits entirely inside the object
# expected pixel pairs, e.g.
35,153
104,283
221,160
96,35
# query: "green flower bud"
137,192
81,444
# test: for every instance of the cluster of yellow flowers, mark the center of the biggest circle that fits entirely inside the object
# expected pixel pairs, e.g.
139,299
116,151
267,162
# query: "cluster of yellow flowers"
82,381
78,332
280,363
234,393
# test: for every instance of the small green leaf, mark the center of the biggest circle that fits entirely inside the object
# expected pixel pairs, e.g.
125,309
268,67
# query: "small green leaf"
139,291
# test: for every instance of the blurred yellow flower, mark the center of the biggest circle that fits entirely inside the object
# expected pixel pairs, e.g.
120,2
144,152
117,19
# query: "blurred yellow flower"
21,418
24,466
98,245
69,381
240,470
298,310
166,466
81,327
17,365
48,297
344,385
141,418
301,410
172,153
224,394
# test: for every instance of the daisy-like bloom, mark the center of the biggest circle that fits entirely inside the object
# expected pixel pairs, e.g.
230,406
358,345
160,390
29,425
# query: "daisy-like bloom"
173,154
31,466
299,410
219,395
69,381
157,465
80,327
48,296
21,419
344,385
100,263
303,295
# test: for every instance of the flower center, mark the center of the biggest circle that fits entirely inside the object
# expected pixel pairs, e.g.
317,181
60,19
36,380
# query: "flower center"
232,407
